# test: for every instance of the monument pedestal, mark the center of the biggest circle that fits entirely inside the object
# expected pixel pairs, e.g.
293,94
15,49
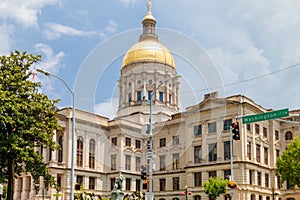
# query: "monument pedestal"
117,195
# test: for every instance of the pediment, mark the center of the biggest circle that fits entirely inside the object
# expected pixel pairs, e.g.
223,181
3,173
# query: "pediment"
208,104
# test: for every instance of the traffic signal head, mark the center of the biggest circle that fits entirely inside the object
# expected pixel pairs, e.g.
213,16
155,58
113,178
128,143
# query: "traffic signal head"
235,131
143,172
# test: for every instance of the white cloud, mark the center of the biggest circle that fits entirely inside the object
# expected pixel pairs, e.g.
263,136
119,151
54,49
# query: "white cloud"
127,2
107,108
24,12
6,40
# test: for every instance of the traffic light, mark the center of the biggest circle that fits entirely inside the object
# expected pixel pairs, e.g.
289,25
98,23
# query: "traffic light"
144,172
235,131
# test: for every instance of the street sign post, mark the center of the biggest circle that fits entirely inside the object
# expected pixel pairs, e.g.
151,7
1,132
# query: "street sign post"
265,116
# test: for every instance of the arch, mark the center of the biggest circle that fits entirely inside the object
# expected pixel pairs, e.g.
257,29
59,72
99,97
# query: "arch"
79,155
252,197
61,149
197,197
92,150
288,135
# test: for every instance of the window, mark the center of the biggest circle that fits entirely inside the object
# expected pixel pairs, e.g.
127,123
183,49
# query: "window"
161,96
138,164
197,154
258,153
212,127
249,149
149,94
60,151
79,156
260,197
212,148
138,185
197,197
92,183
197,179
277,153
259,178
128,142
176,140
129,97
256,128
58,179
79,179
176,161
227,174
212,174
162,163
276,135
127,162
162,184
267,198
92,154
128,183
226,150
114,141
289,185
278,182
113,160
170,98
248,126
266,180
162,142
197,130
252,196
227,124
175,183
288,135
137,144
265,132
112,183
250,177
266,155
139,95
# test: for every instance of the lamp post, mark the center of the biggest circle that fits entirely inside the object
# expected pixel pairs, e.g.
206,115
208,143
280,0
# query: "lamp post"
150,195
73,126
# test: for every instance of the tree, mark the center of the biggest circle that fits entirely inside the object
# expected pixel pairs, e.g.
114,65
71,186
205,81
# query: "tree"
27,120
214,187
288,164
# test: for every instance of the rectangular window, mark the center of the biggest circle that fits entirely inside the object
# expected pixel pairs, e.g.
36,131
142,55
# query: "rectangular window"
138,185
227,123
248,126
138,144
258,153
113,162
266,180
212,174
266,155
139,95
79,179
256,128
114,141
112,183
127,162
92,183
265,132
128,184
162,142
276,135
226,150
259,178
277,153
161,96
197,130
176,161
227,174
250,177
197,154
249,150
197,179
149,94
162,163
170,98
278,182
162,184
175,183
212,127
176,140
138,164
128,142
212,148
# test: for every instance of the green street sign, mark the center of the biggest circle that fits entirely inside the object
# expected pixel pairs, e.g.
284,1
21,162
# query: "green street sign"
265,116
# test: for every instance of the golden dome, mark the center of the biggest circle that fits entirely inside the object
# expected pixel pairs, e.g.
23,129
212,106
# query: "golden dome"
148,50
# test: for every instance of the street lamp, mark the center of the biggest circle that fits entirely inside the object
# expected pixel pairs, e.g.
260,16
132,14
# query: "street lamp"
73,126
150,193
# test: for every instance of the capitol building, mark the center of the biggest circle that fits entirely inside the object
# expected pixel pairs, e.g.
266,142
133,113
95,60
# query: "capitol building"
188,146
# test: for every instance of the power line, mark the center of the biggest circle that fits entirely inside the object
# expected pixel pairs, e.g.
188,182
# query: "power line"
244,81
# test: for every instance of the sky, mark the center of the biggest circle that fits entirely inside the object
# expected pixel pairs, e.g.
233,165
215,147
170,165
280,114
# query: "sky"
234,47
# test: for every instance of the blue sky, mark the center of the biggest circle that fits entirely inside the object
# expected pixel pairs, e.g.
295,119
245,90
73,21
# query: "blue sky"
240,39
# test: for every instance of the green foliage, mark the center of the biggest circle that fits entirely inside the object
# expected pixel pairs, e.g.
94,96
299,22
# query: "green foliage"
288,164
214,187
27,120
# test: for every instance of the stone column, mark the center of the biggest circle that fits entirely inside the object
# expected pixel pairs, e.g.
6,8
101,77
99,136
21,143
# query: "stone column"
18,189
25,187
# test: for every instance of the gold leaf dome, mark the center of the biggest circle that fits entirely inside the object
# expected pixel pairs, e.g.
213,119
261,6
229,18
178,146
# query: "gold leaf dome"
148,50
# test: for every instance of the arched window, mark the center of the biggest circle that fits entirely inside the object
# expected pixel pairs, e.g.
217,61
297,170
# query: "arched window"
60,150
79,156
291,199
288,135
197,197
252,196
268,198
175,199
92,154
